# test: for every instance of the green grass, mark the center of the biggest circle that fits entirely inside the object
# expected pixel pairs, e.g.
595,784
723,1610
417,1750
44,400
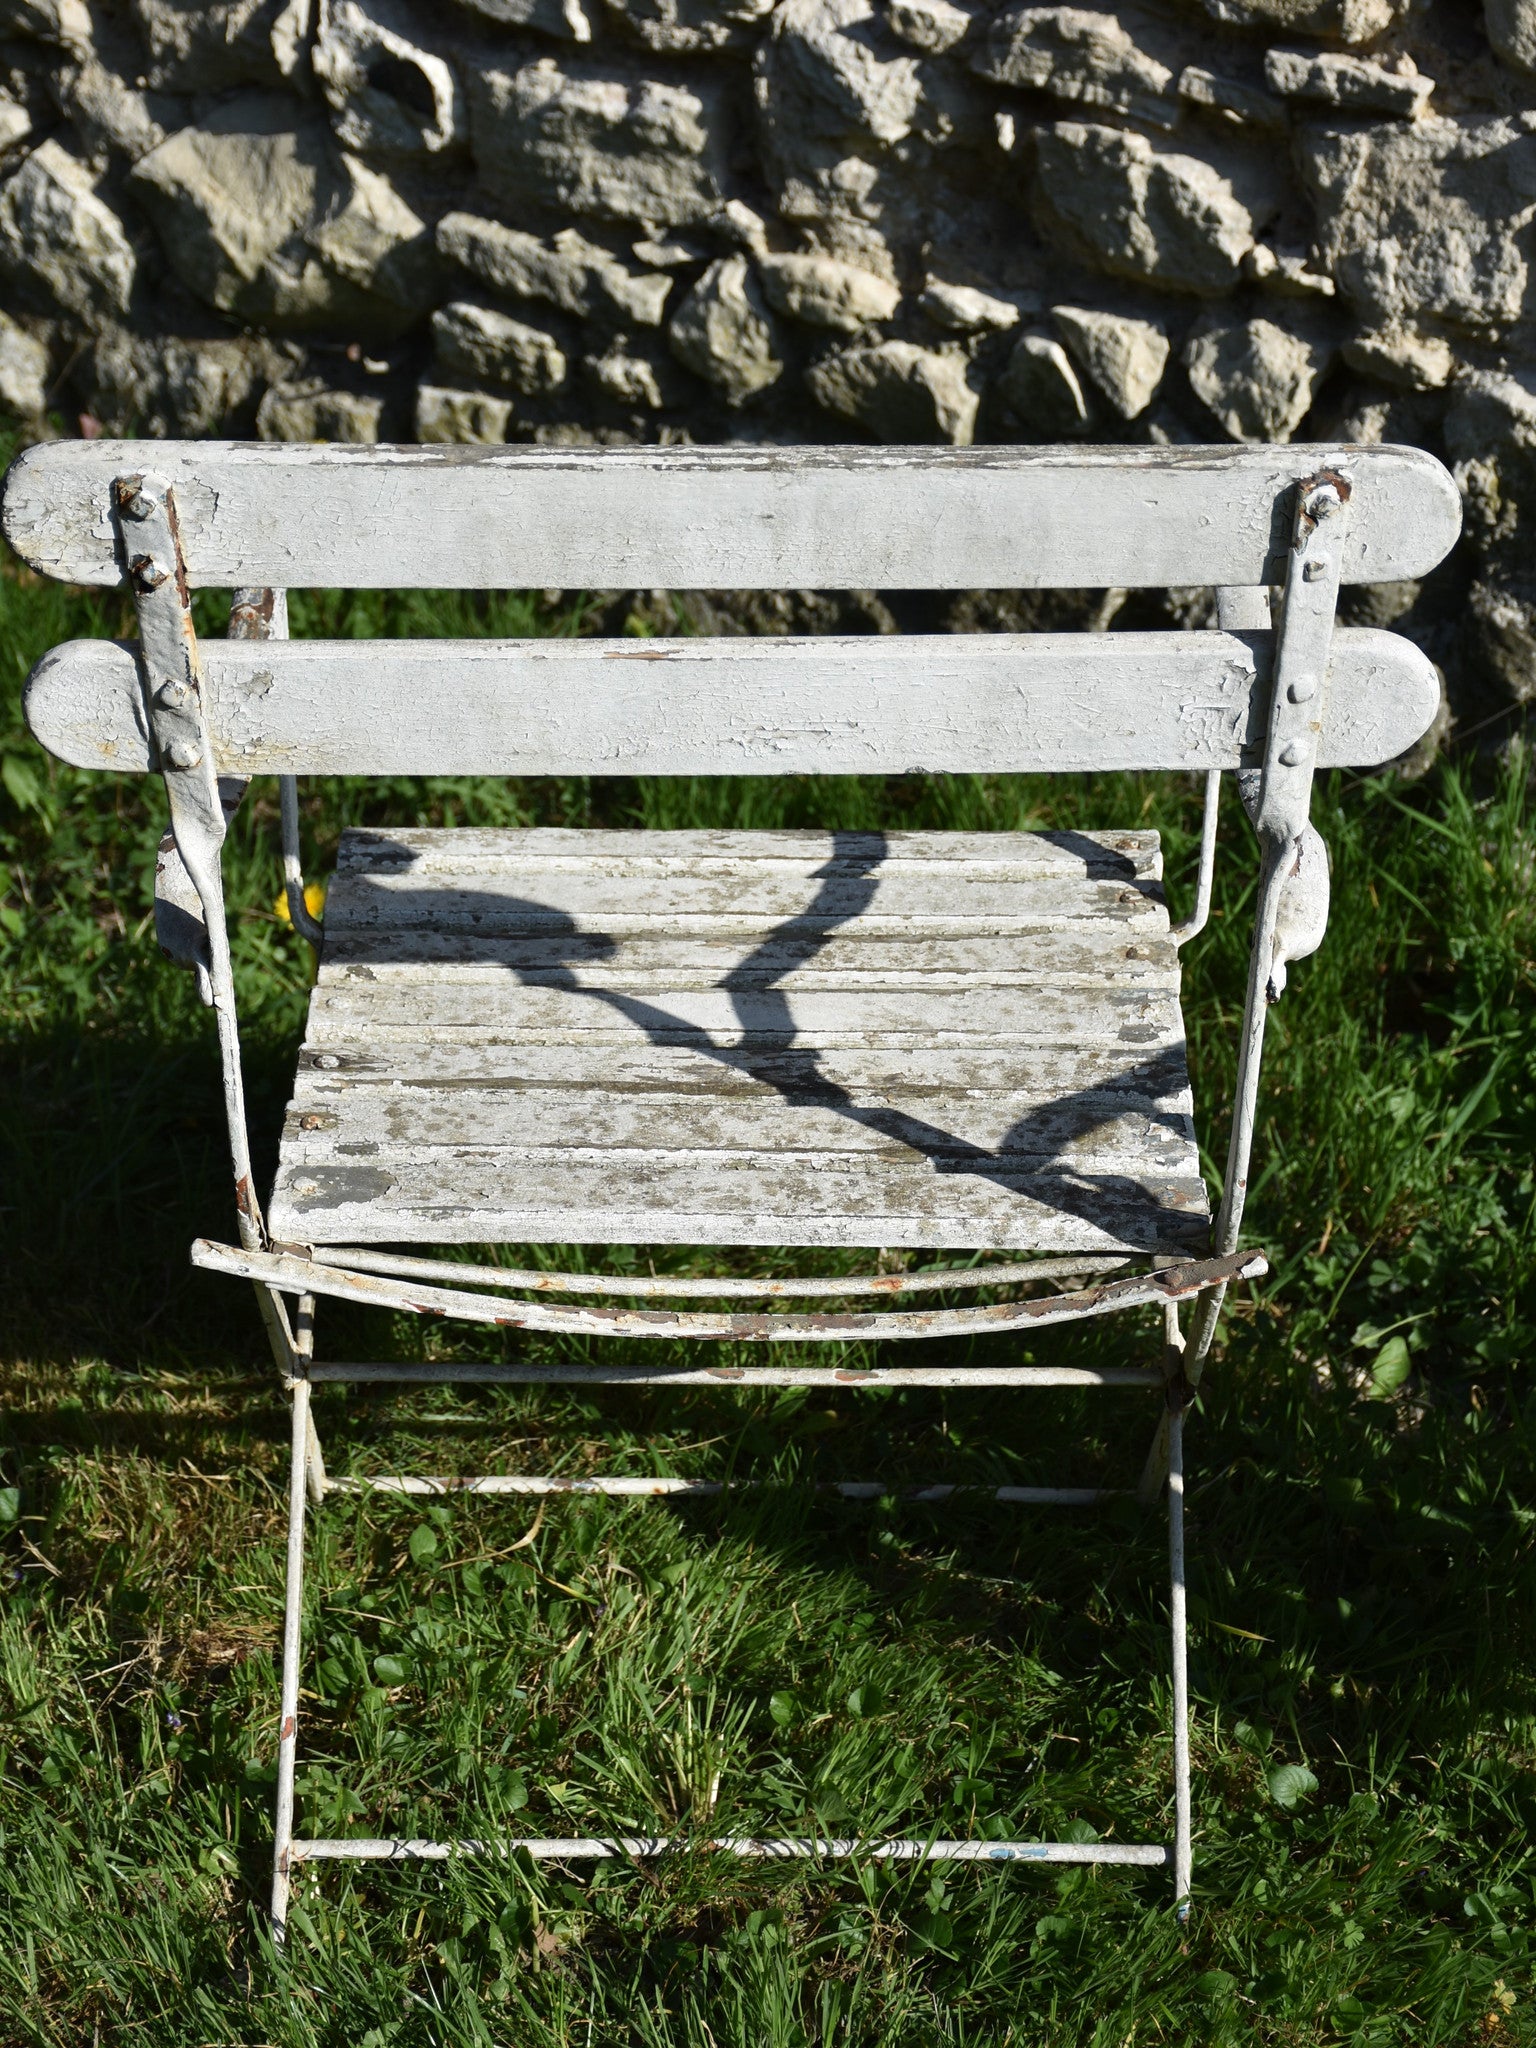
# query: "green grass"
1361,1515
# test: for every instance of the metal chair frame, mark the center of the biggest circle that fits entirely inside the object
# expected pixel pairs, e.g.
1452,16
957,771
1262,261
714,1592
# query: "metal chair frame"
1287,924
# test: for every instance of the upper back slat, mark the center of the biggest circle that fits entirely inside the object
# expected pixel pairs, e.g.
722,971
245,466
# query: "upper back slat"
302,516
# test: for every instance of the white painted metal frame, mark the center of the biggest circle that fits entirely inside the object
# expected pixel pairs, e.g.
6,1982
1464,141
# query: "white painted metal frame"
1240,518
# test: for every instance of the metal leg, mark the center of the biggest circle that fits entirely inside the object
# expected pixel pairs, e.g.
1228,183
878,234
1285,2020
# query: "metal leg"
1177,1619
288,1711
304,1352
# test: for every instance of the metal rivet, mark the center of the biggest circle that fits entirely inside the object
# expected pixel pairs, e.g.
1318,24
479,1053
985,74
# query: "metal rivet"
1292,754
1313,572
183,754
148,573
172,695
1303,689
326,1059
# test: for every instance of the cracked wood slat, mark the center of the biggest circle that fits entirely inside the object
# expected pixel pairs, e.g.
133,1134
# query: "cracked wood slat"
297,516
808,1199
944,703
1010,1078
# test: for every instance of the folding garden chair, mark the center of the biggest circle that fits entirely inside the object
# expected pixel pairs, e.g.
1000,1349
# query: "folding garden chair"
952,1041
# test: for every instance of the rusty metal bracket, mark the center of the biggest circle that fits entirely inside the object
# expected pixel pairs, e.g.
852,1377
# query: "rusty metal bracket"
175,705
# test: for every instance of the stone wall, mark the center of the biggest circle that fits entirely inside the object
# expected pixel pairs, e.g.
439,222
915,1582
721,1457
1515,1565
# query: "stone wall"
909,220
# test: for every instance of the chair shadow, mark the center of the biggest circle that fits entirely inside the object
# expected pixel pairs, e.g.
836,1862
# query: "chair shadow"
768,1051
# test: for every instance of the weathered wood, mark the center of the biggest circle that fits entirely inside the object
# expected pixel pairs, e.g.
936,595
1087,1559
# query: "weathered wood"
946,703
1002,1064
728,518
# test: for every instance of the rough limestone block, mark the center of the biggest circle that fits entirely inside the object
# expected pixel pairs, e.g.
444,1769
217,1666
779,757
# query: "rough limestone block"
1125,358
903,394
1326,79
197,47
167,386
474,341
822,75
15,123
23,370
262,218
1351,21
307,411
931,25
1425,219
474,418
722,332
626,379
566,19
569,272
108,115
685,27
1149,212
1490,435
962,309
1512,31
827,293
1232,102
591,144
1041,389
57,235
1401,355
1259,379
1080,54
390,97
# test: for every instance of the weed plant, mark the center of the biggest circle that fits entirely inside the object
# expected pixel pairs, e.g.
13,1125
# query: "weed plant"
1361,1511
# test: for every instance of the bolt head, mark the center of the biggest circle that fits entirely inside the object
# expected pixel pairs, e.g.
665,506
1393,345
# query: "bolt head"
1303,690
172,695
149,574
1292,754
183,754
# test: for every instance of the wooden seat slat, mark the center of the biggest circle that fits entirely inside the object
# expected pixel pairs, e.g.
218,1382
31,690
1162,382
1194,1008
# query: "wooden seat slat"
296,516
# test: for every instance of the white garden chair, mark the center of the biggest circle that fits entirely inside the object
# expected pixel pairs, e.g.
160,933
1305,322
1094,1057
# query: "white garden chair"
960,1042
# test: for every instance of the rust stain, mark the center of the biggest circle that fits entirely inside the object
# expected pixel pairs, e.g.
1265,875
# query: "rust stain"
654,654
289,1727
244,1201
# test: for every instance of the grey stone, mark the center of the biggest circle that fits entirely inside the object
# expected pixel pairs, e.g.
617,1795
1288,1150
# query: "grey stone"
625,378
1145,211
1257,378
15,123
196,47
689,27
65,23
1125,357
107,114
590,143
900,392
389,96
445,414
308,411
264,219
1040,388
58,235
827,293
476,342
1327,79
1288,272
1425,219
1403,356
1236,104
566,19
1512,31
569,272
962,309
1490,435
1079,54
739,225
822,72
722,332
23,370
1352,21
180,388
931,25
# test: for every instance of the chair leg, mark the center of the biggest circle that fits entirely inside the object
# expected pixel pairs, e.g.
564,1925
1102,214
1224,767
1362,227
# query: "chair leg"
288,1711
304,1349
1155,1470
1182,1859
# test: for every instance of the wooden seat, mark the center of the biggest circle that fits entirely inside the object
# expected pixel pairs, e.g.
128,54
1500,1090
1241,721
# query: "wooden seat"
940,1039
